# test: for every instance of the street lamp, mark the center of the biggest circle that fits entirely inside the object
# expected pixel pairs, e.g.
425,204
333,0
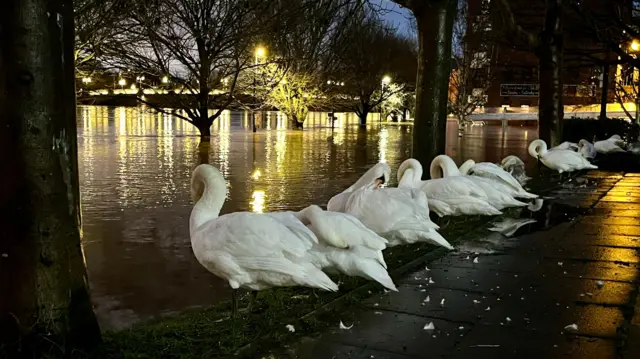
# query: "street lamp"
165,79
635,45
260,53
86,80
122,83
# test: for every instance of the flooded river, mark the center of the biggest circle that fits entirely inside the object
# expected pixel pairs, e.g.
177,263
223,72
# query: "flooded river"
135,169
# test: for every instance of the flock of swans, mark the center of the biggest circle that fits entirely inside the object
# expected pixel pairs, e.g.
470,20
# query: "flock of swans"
258,251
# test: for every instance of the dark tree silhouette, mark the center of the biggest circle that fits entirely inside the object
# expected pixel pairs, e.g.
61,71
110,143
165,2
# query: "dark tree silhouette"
45,310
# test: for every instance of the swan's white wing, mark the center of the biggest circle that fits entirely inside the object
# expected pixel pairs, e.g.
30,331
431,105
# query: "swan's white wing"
565,160
291,221
499,194
452,186
256,250
490,170
337,203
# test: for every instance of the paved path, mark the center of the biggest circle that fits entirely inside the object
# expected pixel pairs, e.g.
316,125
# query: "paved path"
514,304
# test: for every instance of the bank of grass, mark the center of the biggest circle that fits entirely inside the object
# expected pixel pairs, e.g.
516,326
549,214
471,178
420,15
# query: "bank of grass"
210,333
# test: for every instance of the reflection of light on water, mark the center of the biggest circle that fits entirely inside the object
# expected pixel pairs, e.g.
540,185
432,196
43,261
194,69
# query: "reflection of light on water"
383,144
526,135
257,202
224,137
281,148
256,175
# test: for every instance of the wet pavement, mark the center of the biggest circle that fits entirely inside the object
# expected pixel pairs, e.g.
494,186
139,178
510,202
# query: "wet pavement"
583,269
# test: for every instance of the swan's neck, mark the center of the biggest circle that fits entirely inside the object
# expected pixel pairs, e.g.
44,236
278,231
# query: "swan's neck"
410,173
445,164
408,178
208,206
466,167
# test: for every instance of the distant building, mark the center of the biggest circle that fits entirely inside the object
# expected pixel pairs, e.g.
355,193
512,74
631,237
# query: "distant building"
513,69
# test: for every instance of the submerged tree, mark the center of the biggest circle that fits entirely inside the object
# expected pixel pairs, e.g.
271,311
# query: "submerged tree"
45,310
197,45
471,77
376,64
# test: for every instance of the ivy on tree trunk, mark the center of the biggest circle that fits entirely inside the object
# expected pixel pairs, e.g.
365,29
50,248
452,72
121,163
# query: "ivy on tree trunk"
45,309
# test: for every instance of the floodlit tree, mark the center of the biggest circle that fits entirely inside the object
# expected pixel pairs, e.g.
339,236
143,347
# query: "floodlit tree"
376,65
308,49
45,309
200,46
470,78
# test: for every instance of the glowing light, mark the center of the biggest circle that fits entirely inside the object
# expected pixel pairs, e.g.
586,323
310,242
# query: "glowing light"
122,82
635,45
86,80
257,203
260,51
165,79
386,80
256,175
133,86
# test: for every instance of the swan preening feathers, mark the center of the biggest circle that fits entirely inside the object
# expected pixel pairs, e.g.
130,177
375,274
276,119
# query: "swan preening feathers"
258,251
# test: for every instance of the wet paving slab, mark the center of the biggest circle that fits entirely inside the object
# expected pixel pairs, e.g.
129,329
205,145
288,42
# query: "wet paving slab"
579,264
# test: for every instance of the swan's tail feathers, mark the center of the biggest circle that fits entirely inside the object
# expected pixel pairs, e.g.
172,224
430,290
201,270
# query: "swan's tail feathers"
590,166
381,259
437,239
516,203
374,271
318,279
526,195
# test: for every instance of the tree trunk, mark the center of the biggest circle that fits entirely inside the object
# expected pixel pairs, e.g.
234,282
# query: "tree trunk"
435,25
551,111
205,130
295,124
605,91
45,309
362,115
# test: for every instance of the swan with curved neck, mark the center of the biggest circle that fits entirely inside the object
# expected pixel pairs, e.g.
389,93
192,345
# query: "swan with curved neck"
249,250
493,172
443,166
373,178
515,167
449,196
558,160
497,194
587,149
399,214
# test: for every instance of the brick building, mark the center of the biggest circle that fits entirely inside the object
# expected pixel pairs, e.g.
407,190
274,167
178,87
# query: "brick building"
512,68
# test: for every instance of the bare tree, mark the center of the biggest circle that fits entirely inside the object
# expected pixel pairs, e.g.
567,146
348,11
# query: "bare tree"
471,77
374,57
199,45
307,50
96,21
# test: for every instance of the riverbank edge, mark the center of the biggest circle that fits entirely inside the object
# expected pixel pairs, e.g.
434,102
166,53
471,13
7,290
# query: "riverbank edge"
316,319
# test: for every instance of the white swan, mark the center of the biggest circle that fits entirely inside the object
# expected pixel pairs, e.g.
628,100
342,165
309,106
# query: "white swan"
587,150
514,166
494,172
566,145
559,160
399,214
362,256
450,196
499,195
612,144
249,250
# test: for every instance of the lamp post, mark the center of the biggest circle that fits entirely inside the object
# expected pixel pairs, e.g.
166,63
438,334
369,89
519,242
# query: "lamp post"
260,52
122,83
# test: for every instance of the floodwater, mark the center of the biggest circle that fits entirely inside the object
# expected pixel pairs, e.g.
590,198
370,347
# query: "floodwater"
135,169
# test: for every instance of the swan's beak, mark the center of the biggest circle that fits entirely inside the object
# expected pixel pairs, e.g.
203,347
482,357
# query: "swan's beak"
379,182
